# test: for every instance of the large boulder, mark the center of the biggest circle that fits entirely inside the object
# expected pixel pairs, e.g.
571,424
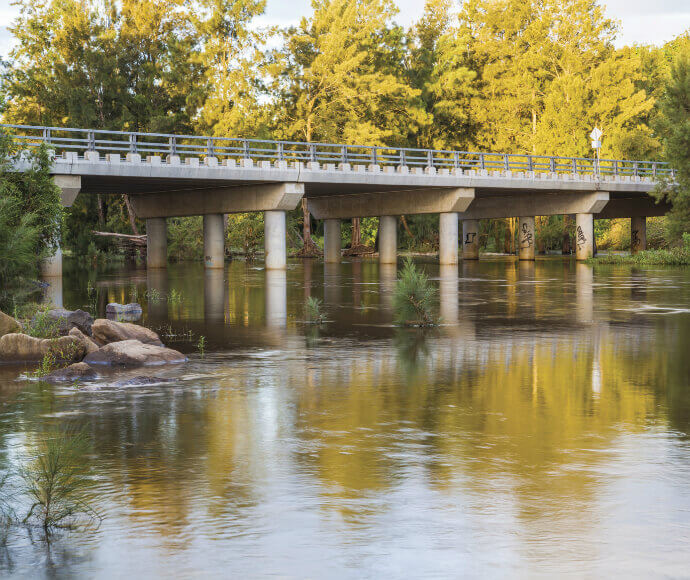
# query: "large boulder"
66,320
134,353
74,372
89,345
107,331
24,348
123,312
8,325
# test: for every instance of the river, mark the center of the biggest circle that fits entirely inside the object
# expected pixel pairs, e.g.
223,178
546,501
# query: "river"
540,430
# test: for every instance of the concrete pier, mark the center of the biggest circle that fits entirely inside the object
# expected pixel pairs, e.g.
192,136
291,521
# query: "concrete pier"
156,243
448,238
332,241
526,238
638,234
388,239
584,236
51,267
470,239
274,240
214,241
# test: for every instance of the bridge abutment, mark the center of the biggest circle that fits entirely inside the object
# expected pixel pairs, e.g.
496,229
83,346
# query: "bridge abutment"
156,243
584,236
332,241
526,238
638,234
448,238
470,239
275,246
214,241
388,239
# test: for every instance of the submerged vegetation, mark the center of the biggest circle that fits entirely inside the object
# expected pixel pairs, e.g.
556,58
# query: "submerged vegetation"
314,311
413,297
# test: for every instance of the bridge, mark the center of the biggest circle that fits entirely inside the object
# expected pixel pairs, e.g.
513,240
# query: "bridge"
184,175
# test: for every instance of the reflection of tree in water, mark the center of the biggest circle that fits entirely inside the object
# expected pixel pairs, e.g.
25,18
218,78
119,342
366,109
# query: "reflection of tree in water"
412,349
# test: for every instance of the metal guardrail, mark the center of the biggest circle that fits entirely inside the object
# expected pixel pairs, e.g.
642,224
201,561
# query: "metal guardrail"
83,140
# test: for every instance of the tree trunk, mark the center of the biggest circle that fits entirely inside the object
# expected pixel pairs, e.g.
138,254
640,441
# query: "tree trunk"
130,213
406,227
309,248
101,213
356,233
565,248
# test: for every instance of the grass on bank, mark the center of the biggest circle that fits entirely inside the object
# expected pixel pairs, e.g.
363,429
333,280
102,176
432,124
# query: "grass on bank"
679,256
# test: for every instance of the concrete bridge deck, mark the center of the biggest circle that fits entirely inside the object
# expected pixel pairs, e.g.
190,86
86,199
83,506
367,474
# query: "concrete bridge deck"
175,175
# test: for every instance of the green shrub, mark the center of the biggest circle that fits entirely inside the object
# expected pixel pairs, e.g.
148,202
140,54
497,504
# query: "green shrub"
313,310
245,234
413,297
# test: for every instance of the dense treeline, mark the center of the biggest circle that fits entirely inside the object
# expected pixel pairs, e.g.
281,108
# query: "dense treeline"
508,75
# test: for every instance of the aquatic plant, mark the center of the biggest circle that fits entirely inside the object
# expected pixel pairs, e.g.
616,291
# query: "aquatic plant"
413,297
55,481
315,314
39,324
175,297
201,345
153,295
55,358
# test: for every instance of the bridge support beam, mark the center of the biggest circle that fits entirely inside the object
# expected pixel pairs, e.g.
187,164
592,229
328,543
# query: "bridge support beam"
156,243
584,236
332,241
638,234
214,241
448,239
526,238
388,239
275,247
470,239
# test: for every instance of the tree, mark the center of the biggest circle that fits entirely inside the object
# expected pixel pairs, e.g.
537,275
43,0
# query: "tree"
675,125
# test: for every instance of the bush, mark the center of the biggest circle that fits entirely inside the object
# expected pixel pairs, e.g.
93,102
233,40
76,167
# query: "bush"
245,233
186,238
313,310
413,297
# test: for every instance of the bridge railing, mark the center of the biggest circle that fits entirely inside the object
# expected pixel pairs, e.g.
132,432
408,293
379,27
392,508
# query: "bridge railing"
63,140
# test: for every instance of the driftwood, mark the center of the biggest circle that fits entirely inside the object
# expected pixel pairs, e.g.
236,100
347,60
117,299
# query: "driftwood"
124,239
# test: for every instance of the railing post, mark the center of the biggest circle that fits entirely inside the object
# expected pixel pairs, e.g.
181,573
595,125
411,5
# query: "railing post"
552,164
245,149
456,160
530,166
615,167
574,163
281,153
373,156
654,169
506,162
635,169
172,142
343,153
91,136
132,143
403,160
430,158
46,135
482,162
312,152
210,150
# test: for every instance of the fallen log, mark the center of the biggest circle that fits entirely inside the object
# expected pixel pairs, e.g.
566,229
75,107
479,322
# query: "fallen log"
123,239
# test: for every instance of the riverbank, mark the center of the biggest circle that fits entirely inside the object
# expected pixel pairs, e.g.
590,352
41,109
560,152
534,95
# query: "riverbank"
671,257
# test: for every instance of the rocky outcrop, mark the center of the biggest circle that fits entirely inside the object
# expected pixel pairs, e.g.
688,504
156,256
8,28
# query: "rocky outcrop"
74,372
89,345
133,353
8,325
66,320
108,331
23,348
123,312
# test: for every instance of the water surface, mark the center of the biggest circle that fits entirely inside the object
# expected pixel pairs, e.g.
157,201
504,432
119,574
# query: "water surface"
541,430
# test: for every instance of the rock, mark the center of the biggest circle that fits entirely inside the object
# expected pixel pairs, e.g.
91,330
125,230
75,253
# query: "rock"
141,381
134,353
89,345
66,320
8,325
107,331
81,320
123,312
23,348
73,372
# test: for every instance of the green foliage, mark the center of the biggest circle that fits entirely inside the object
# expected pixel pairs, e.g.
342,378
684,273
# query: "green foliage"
670,257
185,238
201,346
154,295
56,482
675,125
245,233
314,312
413,297
40,325
175,297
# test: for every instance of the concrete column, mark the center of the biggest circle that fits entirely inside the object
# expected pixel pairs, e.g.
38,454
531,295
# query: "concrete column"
332,241
51,267
276,297
449,300
470,239
448,238
638,234
214,241
388,239
526,238
156,243
584,236
53,291
275,246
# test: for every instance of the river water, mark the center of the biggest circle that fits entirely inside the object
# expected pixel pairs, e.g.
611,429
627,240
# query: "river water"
541,430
